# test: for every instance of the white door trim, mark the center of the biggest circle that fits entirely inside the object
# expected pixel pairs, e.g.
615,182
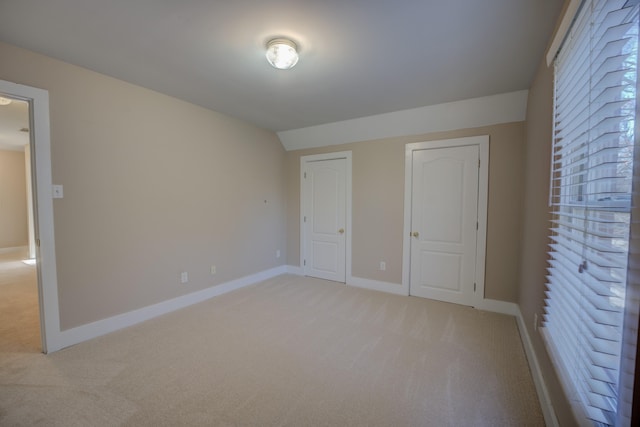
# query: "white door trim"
483,193
315,158
43,210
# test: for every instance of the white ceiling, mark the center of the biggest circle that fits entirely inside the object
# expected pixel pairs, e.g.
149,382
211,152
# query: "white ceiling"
357,57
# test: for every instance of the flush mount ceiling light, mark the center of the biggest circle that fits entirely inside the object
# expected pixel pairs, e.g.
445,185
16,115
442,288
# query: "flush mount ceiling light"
4,101
282,53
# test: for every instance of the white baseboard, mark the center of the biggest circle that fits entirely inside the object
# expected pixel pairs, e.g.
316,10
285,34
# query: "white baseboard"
550,418
14,249
513,309
496,306
101,327
295,269
376,285
360,282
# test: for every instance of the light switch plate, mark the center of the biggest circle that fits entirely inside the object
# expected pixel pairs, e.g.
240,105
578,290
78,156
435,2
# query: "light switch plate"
58,192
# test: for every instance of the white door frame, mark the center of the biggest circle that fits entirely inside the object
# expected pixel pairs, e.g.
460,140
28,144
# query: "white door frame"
315,158
483,194
40,143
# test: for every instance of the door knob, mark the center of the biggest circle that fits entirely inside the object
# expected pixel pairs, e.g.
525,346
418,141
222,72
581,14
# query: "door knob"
415,234
341,231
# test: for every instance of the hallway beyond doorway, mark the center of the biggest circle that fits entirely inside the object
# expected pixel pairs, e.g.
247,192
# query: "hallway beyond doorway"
19,312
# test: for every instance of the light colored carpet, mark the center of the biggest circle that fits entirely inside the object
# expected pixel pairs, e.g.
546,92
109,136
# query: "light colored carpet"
19,311
290,351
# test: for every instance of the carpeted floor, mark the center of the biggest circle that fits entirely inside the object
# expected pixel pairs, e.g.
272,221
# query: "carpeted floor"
290,351
19,311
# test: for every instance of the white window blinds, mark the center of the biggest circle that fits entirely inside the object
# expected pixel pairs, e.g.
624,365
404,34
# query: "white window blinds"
592,159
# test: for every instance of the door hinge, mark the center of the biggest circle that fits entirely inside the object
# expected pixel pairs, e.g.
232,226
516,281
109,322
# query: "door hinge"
478,163
474,287
304,262
305,219
477,225
305,175
38,242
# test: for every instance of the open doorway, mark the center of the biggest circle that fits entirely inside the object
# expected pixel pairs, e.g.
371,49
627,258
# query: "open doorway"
52,338
19,300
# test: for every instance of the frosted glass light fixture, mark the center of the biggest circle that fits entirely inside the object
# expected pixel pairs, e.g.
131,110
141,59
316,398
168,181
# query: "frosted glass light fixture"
282,53
4,101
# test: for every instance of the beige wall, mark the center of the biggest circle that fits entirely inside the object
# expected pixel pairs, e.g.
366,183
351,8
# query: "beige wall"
152,186
536,227
378,205
13,200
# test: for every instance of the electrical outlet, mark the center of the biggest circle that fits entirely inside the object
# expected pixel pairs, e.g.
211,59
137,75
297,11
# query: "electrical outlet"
184,277
213,270
58,192
278,253
383,266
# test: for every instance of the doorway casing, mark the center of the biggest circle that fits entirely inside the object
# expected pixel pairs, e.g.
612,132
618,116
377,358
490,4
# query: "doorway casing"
40,146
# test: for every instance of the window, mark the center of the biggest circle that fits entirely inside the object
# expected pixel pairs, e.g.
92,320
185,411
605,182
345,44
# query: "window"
590,198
